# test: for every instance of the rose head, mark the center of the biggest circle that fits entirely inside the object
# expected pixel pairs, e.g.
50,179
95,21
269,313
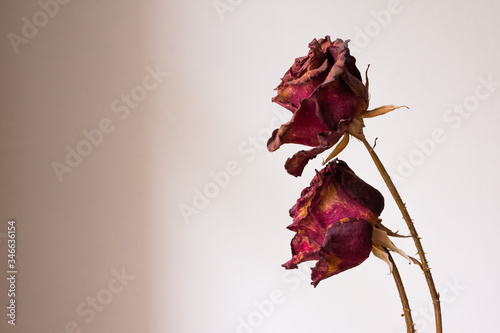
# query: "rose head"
327,97
324,92
336,222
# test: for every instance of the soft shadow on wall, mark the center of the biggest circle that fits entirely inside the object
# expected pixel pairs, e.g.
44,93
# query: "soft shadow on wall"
77,85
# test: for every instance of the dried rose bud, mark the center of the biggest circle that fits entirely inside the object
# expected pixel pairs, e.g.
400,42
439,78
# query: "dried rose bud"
335,222
328,99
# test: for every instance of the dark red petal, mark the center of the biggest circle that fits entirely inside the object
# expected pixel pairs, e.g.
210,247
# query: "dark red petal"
333,220
297,69
316,44
350,61
347,244
303,128
327,200
339,193
350,73
337,104
303,249
295,165
305,75
342,96
359,191
291,92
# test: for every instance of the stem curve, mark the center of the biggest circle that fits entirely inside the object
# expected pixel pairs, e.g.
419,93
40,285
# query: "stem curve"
413,232
410,326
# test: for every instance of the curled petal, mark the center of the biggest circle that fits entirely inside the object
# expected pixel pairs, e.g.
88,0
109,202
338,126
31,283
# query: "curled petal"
303,249
345,67
296,164
339,193
340,49
337,104
304,122
347,244
290,93
334,194
305,75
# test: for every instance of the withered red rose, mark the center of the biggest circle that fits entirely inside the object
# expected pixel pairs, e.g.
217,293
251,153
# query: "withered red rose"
335,223
325,92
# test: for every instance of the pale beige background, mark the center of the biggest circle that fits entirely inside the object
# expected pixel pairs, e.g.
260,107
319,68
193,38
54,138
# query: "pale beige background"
120,209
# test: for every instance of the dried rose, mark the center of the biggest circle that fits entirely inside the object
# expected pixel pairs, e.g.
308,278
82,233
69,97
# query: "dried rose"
328,99
336,222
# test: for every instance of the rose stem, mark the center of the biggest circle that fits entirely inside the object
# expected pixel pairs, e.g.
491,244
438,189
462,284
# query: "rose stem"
410,328
413,232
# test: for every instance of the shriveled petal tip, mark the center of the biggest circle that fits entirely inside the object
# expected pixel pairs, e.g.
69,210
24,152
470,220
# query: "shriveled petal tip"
303,128
274,141
304,76
345,67
347,244
290,93
295,165
303,249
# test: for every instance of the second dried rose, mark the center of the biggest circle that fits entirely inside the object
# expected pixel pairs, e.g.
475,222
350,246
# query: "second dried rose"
336,223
